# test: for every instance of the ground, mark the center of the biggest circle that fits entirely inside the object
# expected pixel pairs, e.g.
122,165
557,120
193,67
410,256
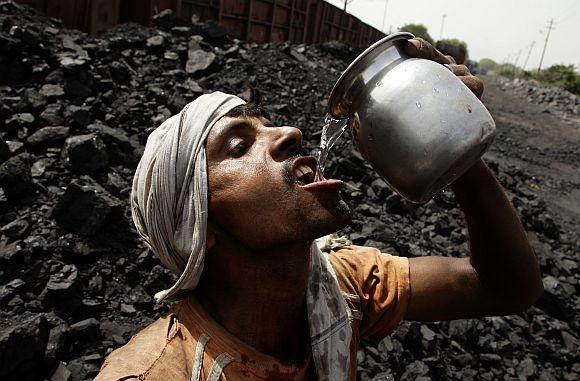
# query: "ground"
544,145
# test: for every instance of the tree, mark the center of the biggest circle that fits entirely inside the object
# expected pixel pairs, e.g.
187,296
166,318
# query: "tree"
454,48
562,76
487,64
419,30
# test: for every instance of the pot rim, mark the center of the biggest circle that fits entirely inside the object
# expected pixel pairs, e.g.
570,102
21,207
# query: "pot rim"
346,76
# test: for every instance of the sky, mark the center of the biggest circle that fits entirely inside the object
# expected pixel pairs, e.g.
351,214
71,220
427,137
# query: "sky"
496,29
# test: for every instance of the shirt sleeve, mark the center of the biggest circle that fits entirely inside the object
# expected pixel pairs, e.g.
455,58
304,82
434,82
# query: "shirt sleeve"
382,283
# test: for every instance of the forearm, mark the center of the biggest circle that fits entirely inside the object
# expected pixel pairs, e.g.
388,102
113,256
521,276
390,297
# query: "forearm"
499,249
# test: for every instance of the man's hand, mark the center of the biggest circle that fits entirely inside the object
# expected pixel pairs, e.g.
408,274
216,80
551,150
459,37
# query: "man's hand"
501,274
419,48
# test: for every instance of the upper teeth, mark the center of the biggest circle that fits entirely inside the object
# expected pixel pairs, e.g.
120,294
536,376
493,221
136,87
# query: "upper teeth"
302,170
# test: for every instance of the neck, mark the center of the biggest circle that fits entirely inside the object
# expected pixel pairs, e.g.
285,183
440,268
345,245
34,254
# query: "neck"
259,296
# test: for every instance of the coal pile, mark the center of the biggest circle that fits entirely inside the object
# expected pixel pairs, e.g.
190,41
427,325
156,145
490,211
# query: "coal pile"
75,280
553,99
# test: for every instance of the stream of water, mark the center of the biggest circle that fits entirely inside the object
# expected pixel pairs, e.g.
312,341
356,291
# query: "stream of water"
331,131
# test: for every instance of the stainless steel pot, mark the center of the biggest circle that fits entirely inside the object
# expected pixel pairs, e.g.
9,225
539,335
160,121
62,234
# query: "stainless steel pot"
412,119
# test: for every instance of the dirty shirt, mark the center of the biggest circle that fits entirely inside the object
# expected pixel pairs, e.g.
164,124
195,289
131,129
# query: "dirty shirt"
187,344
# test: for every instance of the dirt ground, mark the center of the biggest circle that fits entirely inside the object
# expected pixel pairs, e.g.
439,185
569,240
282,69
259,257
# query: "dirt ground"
543,144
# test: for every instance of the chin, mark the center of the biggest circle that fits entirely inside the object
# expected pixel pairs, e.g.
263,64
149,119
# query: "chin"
340,217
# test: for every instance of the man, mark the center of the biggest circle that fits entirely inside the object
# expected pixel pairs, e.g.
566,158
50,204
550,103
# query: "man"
220,189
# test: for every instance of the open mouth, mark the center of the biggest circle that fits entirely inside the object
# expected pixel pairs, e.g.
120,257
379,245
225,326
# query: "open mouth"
304,170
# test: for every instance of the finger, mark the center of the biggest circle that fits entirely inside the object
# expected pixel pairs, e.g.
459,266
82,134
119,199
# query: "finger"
474,84
459,70
450,58
419,48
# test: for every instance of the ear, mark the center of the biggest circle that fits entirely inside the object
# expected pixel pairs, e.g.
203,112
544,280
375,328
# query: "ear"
211,237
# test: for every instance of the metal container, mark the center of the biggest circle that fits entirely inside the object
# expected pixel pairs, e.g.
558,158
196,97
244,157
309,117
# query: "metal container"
412,119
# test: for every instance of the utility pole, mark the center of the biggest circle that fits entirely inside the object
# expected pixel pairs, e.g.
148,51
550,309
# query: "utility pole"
442,22
517,57
550,27
385,14
507,59
345,3
516,61
528,56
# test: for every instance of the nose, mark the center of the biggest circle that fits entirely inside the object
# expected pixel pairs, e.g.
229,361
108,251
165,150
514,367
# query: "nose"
286,142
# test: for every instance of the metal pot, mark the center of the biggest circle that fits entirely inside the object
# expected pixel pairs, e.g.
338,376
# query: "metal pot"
412,119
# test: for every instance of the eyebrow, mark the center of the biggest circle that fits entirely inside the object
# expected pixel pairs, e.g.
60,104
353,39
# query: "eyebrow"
229,129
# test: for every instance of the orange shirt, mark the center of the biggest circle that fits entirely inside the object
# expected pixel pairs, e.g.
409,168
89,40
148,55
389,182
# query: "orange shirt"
376,290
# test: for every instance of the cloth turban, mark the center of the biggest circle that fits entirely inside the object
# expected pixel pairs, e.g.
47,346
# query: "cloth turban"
169,199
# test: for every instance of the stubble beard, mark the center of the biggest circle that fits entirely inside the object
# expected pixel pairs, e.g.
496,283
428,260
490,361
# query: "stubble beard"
312,221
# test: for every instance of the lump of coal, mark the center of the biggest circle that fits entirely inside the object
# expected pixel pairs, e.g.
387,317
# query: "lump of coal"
4,151
24,340
61,290
84,207
167,19
200,62
52,91
213,32
119,147
85,153
15,177
48,137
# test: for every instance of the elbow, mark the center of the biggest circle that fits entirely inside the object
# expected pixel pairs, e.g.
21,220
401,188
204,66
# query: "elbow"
538,291
534,293
527,296
531,287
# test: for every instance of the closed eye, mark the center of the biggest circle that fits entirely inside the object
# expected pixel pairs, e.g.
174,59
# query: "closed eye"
239,149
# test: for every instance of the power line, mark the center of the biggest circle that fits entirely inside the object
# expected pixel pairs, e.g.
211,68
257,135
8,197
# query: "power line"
517,57
516,61
442,22
550,27
567,11
385,14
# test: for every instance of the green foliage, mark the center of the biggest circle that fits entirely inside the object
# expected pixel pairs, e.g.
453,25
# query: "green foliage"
454,48
507,70
487,64
419,30
561,75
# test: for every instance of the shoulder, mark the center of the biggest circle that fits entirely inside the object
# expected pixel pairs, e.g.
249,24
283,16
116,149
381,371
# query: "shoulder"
357,262
379,281
359,269
154,350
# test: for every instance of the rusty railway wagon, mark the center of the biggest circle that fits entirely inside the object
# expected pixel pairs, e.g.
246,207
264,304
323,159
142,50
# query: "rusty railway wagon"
301,21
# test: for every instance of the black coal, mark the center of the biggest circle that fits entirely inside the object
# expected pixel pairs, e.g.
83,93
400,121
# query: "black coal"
75,280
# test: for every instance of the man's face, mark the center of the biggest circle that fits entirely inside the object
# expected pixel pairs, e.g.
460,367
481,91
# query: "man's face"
262,191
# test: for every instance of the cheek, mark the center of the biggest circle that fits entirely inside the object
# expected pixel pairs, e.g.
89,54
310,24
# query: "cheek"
241,191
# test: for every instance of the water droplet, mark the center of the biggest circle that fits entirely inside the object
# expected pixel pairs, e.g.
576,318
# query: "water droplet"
418,104
379,83
423,82
438,75
436,89
469,108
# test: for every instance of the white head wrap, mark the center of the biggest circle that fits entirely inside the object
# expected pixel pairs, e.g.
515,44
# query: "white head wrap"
169,197
169,204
